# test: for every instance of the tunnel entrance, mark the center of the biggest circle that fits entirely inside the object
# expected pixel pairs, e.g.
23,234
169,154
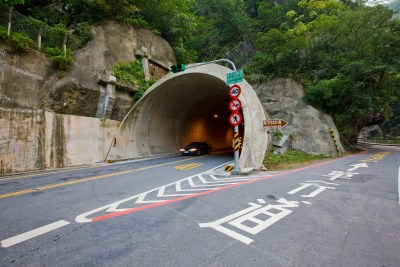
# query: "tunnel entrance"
187,107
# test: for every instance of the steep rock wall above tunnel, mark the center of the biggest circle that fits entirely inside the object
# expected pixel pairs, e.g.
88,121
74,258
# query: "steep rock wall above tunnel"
113,43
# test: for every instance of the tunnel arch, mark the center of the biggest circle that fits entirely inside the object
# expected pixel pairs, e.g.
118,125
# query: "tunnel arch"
191,106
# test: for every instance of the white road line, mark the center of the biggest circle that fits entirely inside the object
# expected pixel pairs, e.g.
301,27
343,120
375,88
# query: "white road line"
398,183
33,233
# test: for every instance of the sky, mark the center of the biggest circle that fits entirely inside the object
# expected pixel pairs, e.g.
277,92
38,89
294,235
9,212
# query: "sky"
377,2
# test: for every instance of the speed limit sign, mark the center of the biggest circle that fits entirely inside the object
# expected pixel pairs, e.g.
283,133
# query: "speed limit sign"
235,119
234,91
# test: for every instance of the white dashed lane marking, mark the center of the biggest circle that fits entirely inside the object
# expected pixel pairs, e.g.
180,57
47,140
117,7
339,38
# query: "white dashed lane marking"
33,233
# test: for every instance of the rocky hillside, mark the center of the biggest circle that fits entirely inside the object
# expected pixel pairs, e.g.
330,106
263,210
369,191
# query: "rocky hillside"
84,90
308,129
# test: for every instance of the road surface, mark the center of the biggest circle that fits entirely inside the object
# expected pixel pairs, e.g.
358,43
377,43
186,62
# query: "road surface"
177,211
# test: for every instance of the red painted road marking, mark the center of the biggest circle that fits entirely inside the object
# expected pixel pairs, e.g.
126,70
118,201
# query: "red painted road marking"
133,210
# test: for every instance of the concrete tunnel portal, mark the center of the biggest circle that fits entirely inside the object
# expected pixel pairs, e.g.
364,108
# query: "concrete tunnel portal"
191,106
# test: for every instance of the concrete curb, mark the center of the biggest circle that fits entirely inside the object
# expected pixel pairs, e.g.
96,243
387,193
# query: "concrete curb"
244,171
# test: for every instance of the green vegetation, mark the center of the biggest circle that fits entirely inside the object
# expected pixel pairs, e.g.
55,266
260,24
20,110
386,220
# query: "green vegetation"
291,159
61,61
171,19
346,54
132,73
20,42
16,41
278,134
391,128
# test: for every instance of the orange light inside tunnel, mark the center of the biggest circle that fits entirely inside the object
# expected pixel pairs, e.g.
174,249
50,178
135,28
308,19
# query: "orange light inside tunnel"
212,131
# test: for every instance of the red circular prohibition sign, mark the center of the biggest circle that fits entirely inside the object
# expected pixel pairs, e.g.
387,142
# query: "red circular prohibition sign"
235,119
234,91
235,105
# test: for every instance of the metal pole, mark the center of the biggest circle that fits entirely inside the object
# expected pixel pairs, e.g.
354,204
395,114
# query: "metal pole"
214,61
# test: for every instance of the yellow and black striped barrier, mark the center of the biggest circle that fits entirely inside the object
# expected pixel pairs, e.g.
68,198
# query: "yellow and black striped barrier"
334,141
236,142
228,168
109,161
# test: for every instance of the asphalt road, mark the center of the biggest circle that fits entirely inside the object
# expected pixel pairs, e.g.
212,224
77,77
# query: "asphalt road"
174,211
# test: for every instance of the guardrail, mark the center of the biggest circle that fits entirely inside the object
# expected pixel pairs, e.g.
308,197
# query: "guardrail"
380,141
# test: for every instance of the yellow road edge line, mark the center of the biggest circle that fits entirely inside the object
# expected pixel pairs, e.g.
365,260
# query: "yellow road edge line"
42,188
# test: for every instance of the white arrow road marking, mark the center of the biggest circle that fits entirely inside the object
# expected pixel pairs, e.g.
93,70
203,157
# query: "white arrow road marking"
214,183
162,194
202,185
238,179
141,200
179,188
192,184
356,166
33,233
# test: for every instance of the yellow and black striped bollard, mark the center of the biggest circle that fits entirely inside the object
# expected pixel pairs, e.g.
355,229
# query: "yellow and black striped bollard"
334,141
228,168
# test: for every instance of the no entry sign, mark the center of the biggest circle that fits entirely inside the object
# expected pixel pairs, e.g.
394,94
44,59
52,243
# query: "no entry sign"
235,105
235,119
234,91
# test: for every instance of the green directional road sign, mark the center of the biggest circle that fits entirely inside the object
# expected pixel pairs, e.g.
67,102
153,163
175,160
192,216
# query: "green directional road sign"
234,77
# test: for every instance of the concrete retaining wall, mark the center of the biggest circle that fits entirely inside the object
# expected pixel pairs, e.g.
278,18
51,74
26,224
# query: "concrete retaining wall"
37,139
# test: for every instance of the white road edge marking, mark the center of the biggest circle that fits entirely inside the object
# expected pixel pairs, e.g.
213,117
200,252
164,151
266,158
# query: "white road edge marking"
398,183
33,233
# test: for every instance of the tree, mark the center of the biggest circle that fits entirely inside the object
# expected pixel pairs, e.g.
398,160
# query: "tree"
11,4
362,78
222,25
346,56
391,127
94,11
173,20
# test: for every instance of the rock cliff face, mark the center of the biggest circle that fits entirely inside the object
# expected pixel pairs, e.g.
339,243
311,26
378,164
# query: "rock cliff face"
24,79
80,93
28,80
53,120
308,129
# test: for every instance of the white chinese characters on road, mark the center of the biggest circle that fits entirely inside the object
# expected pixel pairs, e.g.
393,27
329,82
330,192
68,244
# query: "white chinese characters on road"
250,214
250,221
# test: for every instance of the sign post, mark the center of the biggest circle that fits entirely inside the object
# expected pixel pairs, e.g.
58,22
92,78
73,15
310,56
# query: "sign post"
235,118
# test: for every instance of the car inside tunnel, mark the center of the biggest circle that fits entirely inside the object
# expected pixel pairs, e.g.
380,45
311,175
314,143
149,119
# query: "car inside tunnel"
187,107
